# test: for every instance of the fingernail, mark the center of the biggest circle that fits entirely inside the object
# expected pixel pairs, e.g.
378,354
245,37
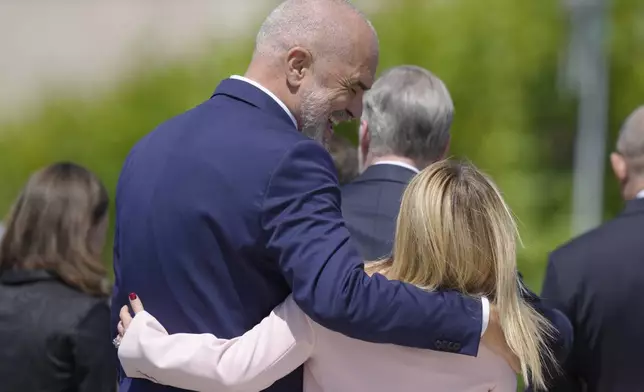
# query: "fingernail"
132,296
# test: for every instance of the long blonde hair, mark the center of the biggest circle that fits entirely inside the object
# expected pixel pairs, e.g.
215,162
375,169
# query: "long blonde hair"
455,232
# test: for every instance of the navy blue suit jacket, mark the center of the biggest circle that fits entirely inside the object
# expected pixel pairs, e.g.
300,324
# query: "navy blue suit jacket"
370,206
596,279
224,210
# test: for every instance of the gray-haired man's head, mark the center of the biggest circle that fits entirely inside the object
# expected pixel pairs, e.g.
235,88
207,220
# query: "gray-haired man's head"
407,115
628,160
318,57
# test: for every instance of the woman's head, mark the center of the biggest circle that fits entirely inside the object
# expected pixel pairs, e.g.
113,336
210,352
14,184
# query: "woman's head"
59,224
455,232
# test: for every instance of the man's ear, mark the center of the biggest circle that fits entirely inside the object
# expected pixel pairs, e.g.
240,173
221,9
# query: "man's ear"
364,139
620,169
298,64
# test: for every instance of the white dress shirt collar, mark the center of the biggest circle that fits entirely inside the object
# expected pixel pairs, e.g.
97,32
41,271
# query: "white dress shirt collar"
398,163
270,94
640,194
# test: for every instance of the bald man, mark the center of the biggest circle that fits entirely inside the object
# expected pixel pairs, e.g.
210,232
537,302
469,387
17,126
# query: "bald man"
225,210
597,279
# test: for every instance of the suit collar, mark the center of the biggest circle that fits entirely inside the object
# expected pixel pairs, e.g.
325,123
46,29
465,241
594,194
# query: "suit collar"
635,206
385,172
398,163
244,91
26,276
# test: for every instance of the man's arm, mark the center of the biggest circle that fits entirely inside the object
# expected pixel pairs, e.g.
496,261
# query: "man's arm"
306,235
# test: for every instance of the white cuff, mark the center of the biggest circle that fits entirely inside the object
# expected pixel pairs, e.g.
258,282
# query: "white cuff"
485,303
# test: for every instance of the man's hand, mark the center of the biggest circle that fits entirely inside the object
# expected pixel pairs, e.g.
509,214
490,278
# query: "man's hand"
494,339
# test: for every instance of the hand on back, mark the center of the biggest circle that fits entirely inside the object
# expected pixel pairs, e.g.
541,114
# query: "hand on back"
126,317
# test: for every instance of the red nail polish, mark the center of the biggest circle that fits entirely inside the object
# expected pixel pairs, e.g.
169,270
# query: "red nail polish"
132,296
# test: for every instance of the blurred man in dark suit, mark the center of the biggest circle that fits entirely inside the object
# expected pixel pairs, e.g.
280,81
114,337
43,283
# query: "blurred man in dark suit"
404,127
597,281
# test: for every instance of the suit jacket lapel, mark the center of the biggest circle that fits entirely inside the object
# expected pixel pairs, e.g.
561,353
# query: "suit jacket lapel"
246,92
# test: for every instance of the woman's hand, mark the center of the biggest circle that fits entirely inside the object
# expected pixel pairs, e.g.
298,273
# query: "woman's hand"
126,318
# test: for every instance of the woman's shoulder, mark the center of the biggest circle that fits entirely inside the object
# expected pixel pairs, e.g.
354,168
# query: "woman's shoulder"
74,301
489,362
59,314
65,307
387,365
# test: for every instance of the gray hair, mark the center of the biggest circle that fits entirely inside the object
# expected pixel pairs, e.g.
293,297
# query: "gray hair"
409,112
630,143
313,24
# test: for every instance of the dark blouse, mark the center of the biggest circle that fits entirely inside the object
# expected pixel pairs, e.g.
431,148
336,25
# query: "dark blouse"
53,337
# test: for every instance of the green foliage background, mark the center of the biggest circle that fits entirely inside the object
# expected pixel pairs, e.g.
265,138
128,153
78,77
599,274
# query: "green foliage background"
499,58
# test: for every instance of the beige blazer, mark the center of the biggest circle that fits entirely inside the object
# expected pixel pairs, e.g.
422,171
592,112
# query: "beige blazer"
286,339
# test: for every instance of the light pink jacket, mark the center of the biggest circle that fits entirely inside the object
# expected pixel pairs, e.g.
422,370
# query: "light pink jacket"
286,339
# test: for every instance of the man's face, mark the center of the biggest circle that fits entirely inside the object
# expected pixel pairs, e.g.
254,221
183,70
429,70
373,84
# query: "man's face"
333,95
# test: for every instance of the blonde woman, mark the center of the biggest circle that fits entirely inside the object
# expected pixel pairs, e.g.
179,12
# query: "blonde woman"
454,232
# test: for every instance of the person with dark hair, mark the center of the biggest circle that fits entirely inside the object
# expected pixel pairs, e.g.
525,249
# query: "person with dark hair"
54,315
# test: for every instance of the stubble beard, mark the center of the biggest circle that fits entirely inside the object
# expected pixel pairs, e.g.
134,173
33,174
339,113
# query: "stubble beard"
316,110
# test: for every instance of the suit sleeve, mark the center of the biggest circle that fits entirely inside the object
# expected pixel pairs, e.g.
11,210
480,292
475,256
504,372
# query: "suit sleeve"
252,362
307,237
